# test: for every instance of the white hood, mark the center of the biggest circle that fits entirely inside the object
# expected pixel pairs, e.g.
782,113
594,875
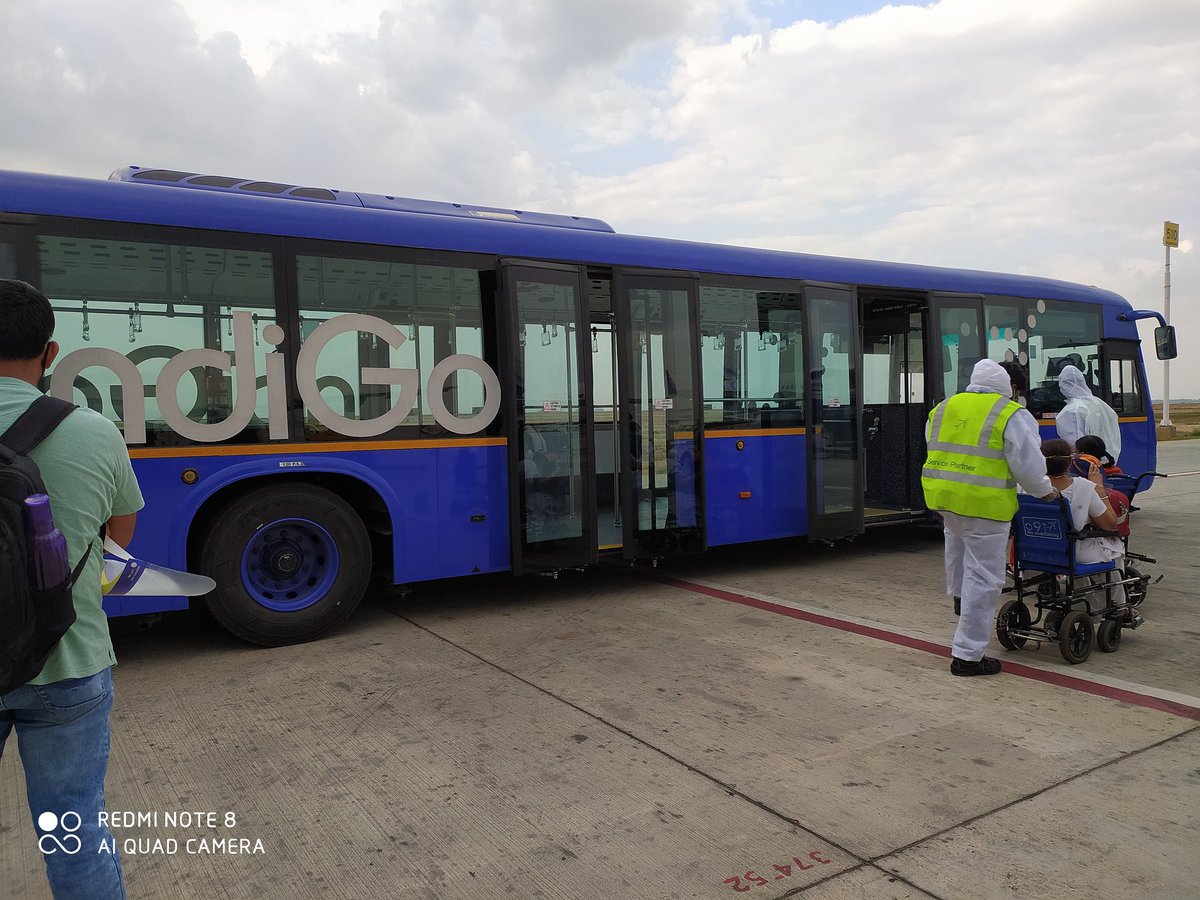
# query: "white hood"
1085,413
989,377
1072,384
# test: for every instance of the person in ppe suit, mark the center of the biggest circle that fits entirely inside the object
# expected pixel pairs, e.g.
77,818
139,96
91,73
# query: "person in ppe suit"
981,446
1085,413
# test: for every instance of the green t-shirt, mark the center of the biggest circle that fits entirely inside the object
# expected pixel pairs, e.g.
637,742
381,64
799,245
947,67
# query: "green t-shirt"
85,467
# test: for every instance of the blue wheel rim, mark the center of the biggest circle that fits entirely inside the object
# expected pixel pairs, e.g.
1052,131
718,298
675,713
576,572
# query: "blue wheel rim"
290,564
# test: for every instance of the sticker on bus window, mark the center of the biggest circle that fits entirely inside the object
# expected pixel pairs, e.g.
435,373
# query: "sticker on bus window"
551,405
669,403
835,403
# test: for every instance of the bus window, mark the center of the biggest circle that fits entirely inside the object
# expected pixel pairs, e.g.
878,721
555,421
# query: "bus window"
1125,388
1059,335
960,344
8,260
149,302
435,310
752,357
1003,328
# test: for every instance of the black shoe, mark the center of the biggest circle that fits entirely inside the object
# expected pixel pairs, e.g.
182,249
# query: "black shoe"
985,666
958,606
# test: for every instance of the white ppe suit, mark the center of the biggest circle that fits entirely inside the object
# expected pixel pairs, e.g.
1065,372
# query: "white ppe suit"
1086,414
976,548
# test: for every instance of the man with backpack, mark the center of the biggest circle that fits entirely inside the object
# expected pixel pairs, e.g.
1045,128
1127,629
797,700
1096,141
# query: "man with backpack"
61,713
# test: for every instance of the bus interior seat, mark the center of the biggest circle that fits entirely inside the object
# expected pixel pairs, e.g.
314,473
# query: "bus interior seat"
1125,404
1055,364
786,399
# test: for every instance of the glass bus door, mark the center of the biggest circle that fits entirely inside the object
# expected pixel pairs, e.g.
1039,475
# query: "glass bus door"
835,460
546,361
660,409
955,338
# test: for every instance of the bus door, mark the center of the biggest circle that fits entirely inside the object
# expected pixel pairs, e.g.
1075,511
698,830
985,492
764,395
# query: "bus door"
660,411
893,392
835,461
545,355
956,339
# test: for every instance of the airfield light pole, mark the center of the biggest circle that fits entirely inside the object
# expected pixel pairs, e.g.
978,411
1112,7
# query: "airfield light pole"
1170,239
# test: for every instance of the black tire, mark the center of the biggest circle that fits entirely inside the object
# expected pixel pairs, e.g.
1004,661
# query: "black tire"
1075,636
1013,616
291,562
1052,622
1135,593
1108,636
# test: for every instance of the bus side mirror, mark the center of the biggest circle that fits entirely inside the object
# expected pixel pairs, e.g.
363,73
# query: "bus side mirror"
1164,342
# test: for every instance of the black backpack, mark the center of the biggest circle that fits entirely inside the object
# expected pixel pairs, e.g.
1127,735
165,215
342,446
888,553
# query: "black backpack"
31,621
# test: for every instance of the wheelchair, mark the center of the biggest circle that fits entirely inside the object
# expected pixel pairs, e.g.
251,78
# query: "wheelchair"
1059,599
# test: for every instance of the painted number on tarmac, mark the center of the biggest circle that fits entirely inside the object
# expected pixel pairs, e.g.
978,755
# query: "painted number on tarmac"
743,883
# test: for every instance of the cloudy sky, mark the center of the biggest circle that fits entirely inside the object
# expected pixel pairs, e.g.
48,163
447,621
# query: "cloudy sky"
1044,136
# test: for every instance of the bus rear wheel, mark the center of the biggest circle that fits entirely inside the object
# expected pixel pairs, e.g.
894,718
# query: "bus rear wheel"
291,563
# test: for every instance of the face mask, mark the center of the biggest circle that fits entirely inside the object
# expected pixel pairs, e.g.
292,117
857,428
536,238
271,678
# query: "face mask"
1022,401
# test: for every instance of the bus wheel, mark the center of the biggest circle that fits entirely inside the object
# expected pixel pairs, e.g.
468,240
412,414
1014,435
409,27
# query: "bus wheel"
290,562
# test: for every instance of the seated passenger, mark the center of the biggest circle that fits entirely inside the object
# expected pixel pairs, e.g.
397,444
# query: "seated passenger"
1090,451
1089,504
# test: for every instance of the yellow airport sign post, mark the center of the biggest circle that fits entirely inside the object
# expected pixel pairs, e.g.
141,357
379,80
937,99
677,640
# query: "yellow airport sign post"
1170,239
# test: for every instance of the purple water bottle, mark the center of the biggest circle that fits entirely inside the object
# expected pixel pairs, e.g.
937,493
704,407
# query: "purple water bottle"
48,566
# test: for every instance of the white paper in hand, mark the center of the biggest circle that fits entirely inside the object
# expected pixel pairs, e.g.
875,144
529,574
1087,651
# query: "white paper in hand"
125,575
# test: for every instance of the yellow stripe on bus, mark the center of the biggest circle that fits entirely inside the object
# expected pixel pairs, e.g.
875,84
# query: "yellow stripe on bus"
283,449
753,432
740,432
1052,421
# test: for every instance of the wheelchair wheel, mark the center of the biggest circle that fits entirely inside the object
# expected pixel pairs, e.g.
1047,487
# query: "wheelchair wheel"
1108,636
1075,636
1054,619
1136,592
1014,616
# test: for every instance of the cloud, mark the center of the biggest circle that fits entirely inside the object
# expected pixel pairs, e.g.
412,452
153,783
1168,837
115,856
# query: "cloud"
1043,138
1050,138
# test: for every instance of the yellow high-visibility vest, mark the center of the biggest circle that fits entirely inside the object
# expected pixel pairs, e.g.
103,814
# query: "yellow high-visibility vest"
965,471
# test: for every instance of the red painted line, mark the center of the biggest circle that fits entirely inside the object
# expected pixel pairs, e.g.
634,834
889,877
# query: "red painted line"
1058,679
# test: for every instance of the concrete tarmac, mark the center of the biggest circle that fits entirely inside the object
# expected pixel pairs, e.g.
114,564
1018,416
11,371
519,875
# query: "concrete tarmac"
767,721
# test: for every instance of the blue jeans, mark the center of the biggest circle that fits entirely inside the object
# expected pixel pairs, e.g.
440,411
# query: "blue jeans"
63,739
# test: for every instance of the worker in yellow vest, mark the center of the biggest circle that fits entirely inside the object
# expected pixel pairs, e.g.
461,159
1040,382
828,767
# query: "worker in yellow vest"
981,446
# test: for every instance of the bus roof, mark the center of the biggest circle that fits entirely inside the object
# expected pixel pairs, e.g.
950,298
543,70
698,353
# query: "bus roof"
239,205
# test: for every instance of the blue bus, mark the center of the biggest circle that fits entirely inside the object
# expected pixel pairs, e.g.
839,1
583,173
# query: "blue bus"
317,385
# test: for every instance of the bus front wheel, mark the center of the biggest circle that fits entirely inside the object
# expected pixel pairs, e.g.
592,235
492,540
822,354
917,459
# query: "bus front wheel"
290,562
